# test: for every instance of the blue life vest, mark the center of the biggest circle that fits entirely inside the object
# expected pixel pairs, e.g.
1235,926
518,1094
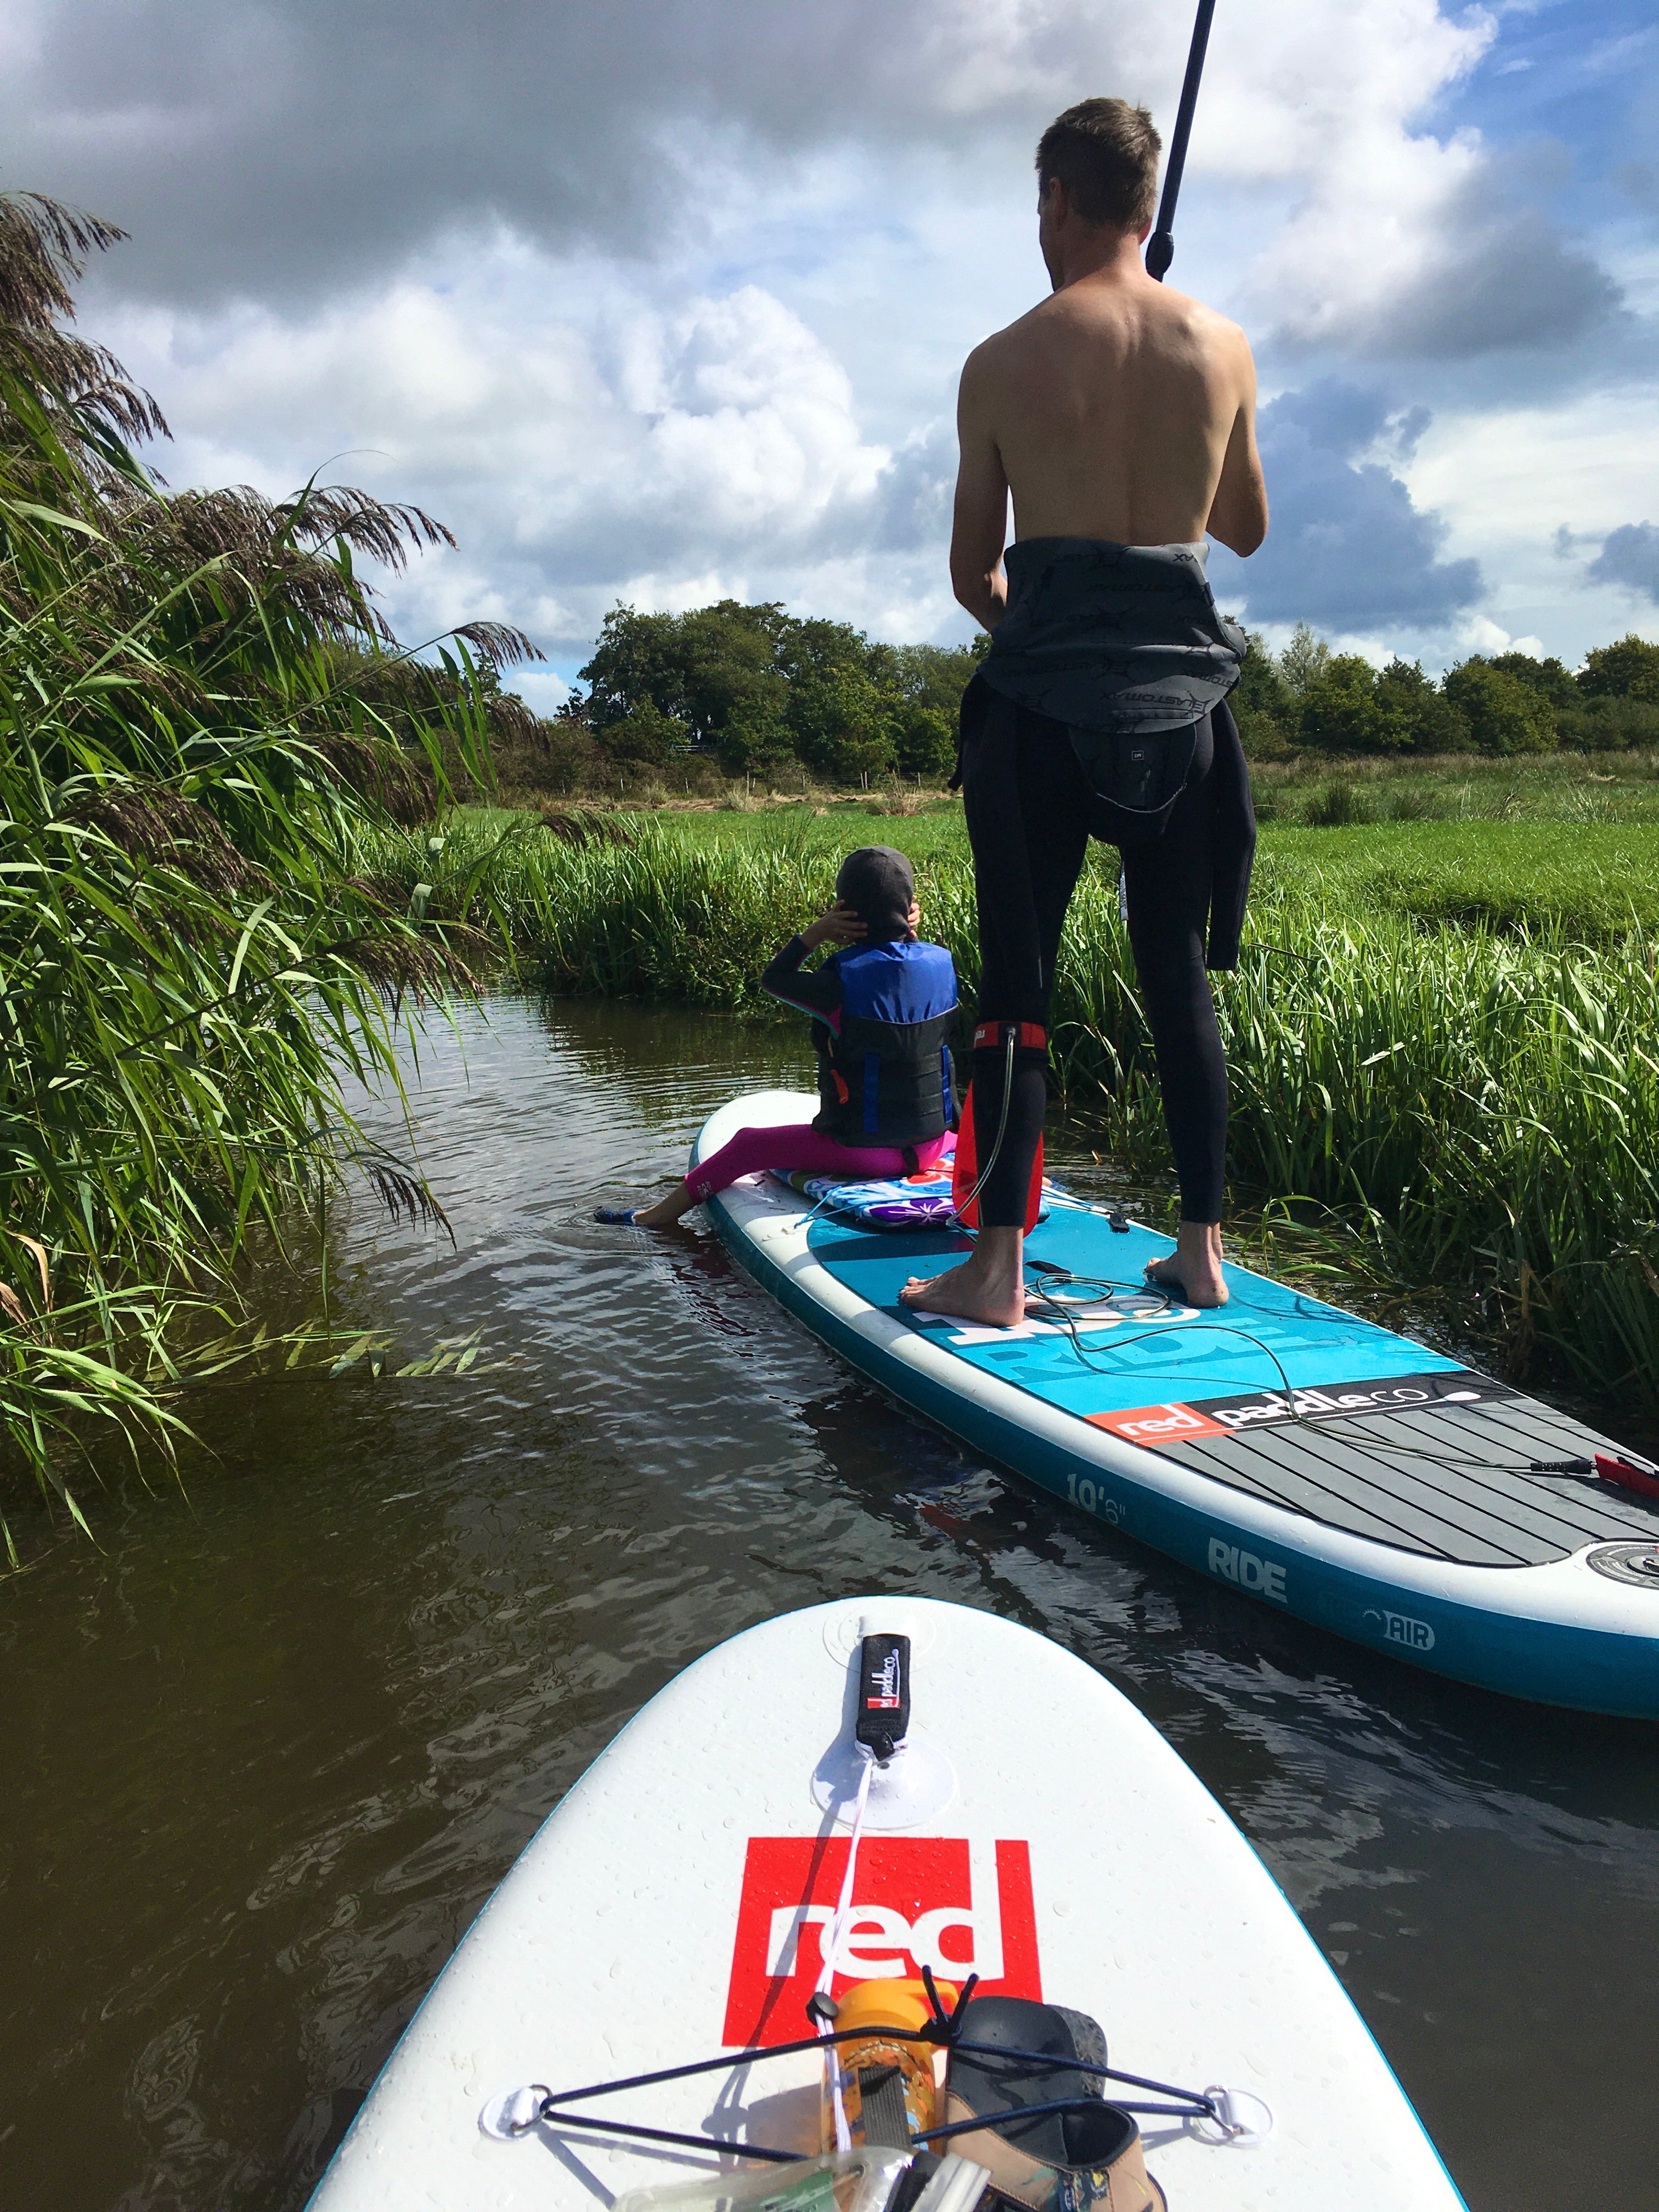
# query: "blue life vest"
884,1076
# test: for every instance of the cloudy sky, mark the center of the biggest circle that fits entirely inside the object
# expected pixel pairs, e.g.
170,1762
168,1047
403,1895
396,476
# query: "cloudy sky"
663,300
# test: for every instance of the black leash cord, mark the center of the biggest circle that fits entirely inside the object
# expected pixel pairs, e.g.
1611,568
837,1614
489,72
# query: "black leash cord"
1168,1328
1160,246
1582,1470
1364,1446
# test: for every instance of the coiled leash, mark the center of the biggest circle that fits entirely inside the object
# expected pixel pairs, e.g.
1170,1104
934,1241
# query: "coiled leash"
1029,1037
883,1717
1012,1033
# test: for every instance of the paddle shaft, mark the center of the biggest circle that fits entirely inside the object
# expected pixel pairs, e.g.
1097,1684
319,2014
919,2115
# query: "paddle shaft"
1160,246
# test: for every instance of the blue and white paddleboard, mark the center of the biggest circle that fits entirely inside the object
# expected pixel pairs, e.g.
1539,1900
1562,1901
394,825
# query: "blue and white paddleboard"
1327,1467
1034,1829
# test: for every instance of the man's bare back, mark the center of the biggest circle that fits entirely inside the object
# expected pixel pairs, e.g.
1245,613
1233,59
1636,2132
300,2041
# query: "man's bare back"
1117,409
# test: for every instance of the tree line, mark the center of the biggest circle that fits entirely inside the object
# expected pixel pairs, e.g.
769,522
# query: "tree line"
1308,696
753,690
732,690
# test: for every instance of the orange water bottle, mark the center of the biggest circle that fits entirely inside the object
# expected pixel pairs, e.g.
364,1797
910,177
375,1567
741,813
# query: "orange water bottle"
889,2087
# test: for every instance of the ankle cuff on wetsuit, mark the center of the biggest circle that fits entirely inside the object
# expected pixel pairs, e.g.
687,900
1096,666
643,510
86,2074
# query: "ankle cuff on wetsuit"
993,1036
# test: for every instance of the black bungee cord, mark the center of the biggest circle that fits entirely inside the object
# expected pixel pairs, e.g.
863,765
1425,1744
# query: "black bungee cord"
941,2028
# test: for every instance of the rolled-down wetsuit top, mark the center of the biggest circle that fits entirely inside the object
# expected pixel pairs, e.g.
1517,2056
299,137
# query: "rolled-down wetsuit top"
1113,639
881,1023
1125,646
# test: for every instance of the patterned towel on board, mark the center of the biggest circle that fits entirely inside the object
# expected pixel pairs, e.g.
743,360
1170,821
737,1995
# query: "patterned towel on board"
917,1201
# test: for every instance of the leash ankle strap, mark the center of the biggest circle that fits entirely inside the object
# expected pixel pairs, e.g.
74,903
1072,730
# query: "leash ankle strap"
1028,1037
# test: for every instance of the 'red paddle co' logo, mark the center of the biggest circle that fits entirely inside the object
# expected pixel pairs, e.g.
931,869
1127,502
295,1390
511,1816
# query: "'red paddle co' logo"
1152,1425
937,1901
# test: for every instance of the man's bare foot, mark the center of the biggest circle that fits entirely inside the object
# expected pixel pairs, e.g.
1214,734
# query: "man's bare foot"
989,1287
1193,1267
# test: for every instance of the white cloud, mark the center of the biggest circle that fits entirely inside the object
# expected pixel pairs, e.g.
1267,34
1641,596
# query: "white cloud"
666,300
1428,255
1530,469
1481,634
584,445
1507,481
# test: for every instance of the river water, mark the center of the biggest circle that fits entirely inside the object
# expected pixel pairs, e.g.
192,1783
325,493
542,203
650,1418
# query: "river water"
273,1741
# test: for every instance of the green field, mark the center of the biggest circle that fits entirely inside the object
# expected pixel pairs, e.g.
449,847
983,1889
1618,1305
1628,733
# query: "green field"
1592,880
1560,786
1522,856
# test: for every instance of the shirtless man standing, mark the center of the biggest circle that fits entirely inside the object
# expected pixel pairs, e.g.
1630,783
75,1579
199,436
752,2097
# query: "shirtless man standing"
1121,415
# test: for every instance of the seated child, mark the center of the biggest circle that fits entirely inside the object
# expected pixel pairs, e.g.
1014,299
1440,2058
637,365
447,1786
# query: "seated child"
881,1017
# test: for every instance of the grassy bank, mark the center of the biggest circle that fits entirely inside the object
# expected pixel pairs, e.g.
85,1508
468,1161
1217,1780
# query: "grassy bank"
1483,1095
1592,880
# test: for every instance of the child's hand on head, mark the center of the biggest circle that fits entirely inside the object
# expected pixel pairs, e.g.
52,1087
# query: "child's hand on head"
837,923
913,920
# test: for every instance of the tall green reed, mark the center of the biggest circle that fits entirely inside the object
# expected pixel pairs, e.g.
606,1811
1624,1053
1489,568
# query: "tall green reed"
201,714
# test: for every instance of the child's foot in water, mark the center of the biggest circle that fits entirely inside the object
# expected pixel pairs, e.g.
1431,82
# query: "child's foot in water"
668,1210
1193,1270
988,1288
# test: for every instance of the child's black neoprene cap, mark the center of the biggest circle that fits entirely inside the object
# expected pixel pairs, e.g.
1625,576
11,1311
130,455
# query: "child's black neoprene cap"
879,884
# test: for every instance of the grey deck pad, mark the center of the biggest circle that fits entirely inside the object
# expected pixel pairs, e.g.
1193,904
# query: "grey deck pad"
1451,1484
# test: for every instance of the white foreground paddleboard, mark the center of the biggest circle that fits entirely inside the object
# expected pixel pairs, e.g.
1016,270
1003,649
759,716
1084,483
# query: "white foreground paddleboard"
1034,1828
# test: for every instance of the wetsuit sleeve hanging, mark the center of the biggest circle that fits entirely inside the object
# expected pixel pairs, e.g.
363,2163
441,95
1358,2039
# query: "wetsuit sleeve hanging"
814,990
1232,841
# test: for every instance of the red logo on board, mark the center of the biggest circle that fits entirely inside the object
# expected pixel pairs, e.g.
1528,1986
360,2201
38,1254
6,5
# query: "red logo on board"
1157,1424
936,1901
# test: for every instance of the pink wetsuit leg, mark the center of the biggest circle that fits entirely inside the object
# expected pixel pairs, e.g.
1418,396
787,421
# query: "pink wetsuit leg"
801,1146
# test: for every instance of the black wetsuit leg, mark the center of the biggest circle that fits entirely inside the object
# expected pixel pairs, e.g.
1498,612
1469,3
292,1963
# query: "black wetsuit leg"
1027,802
1169,881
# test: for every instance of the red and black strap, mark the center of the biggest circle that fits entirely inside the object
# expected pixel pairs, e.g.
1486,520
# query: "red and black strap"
1028,1037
